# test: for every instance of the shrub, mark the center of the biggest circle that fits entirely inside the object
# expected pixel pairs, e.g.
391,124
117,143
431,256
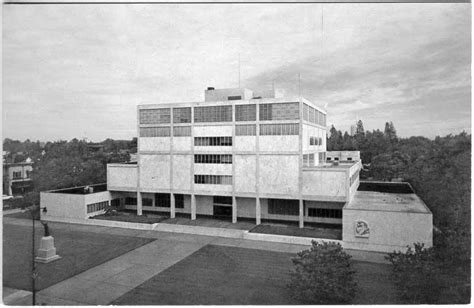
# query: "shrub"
417,275
323,275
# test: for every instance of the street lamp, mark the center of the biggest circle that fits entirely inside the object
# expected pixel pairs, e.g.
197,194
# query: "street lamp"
34,274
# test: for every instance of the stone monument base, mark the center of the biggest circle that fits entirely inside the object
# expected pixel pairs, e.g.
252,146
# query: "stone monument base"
47,251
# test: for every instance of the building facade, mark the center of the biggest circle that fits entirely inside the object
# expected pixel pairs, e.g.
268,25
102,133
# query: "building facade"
16,178
245,155
240,154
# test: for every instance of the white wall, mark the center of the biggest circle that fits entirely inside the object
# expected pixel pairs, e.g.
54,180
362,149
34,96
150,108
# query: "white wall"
182,144
279,143
389,231
278,174
63,205
181,172
213,130
245,166
245,143
216,169
154,172
154,144
121,177
325,182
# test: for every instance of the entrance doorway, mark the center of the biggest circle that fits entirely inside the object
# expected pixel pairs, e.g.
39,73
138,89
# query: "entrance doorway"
222,207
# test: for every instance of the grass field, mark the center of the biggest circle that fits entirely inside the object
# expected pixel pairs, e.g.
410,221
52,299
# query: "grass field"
79,251
217,275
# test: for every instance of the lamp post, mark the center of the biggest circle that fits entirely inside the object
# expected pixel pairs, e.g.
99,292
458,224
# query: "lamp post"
34,274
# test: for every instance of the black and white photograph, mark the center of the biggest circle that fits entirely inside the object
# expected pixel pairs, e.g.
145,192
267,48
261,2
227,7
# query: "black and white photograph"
236,153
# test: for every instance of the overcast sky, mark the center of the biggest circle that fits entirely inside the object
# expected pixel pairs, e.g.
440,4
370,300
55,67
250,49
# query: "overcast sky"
80,70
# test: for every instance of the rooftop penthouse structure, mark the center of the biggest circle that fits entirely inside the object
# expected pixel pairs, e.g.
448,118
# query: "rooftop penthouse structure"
246,155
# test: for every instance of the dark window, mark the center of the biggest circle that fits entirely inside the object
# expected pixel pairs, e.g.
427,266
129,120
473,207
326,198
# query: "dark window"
147,202
245,112
328,158
336,158
181,131
179,201
213,141
283,207
213,179
155,116
182,115
95,207
130,201
222,200
349,158
325,213
162,200
234,98
213,159
213,114
155,131
245,130
115,202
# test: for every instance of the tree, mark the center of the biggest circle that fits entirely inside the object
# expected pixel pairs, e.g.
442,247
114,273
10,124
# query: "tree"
323,275
416,274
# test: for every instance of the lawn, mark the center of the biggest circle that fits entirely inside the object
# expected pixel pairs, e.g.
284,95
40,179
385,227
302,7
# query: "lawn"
79,251
314,232
218,275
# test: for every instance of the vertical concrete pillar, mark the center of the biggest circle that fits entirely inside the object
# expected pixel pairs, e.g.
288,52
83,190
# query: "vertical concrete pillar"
258,212
172,206
193,207
234,209
301,218
139,204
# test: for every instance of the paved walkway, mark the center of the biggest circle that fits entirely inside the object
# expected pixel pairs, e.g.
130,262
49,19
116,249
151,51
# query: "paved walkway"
104,283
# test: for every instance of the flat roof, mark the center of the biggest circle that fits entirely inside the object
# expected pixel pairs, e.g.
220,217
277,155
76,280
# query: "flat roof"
379,200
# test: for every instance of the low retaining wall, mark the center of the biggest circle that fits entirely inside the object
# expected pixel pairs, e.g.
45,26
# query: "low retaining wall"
208,231
285,239
103,223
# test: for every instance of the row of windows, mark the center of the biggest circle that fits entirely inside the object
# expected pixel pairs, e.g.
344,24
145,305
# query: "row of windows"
285,111
161,200
308,160
283,207
182,131
268,112
246,130
245,112
95,207
213,114
279,129
213,159
240,130
213,179
155,116
17,174
315,141
314,116
213,141
154,131
325,213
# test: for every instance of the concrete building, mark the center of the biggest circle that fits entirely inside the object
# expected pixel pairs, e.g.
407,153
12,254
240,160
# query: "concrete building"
240,154
16,178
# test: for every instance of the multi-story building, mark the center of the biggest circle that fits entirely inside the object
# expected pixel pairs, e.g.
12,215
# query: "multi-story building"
241,154
16,178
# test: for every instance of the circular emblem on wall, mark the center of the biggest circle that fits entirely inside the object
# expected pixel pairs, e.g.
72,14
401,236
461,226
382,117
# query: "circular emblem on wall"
362,229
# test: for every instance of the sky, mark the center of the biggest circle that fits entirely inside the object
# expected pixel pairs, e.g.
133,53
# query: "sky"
79,71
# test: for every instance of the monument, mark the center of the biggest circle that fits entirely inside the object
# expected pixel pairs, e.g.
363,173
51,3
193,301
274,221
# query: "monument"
47,251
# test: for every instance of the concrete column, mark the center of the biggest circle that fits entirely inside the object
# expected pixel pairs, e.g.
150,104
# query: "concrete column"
193,207
301,218
258,212
172,206
234,210
139,204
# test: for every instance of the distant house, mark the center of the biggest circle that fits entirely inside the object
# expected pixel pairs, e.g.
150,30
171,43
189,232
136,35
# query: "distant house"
16,178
